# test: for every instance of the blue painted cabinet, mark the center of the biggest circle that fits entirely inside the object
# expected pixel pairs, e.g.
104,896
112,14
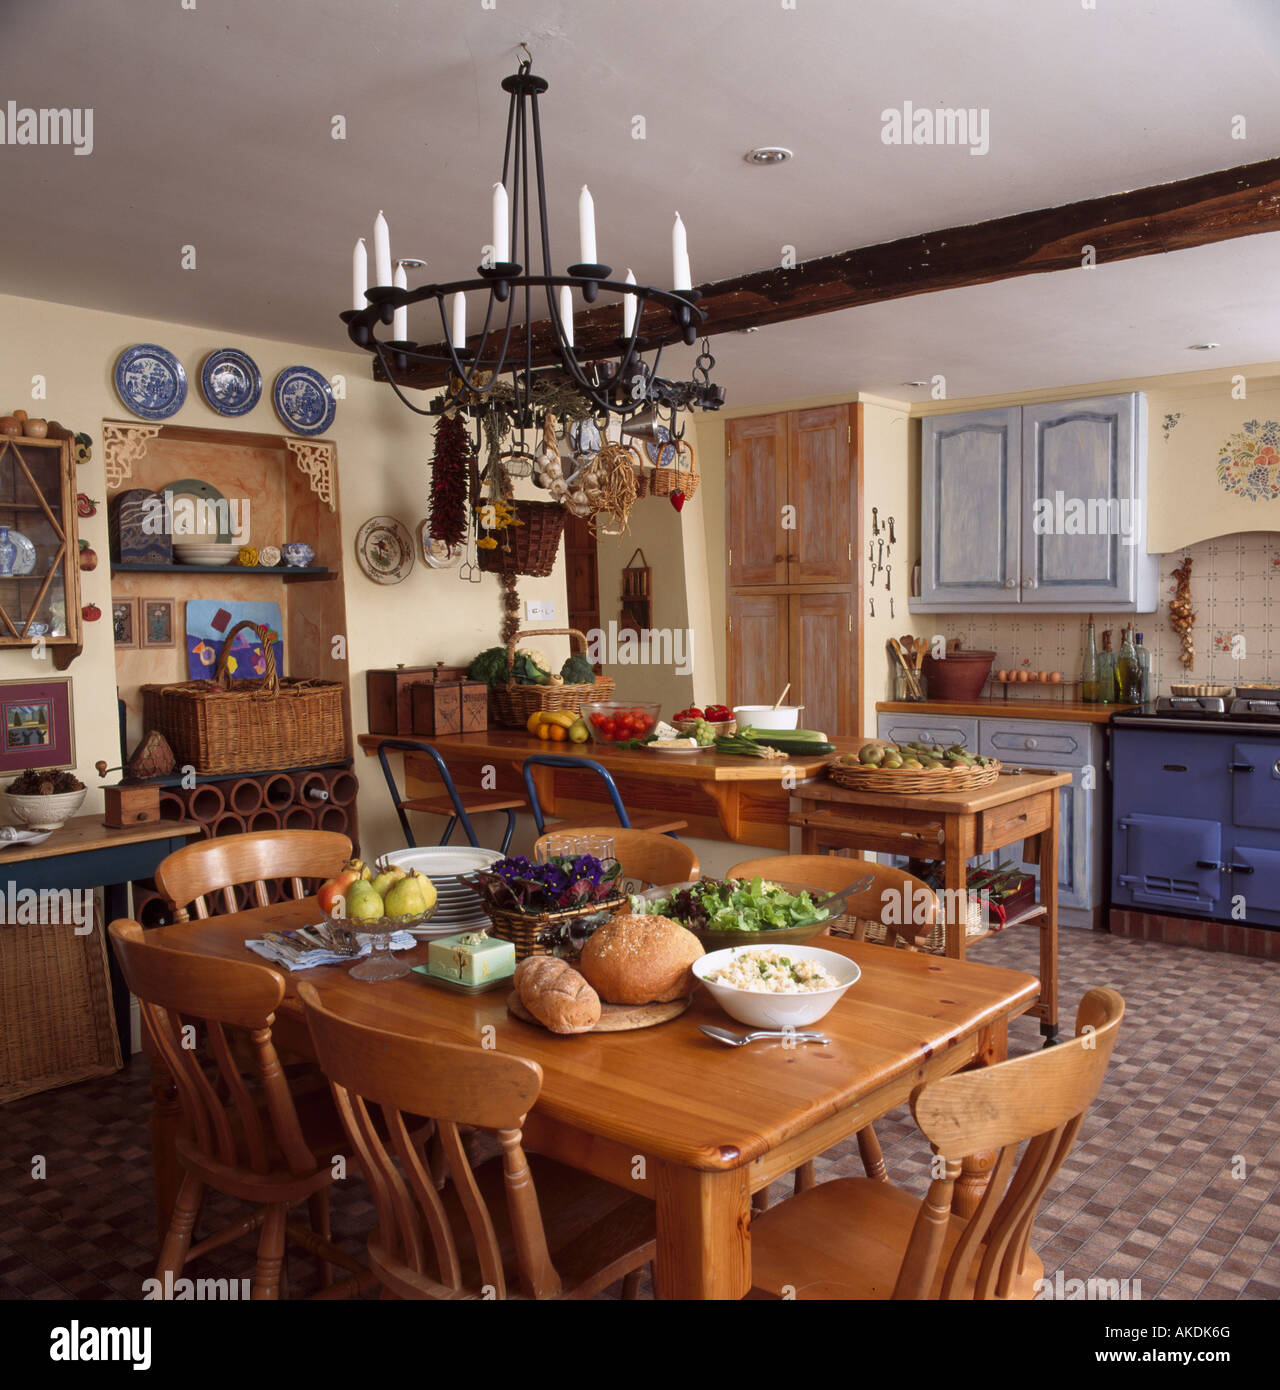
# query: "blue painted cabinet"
1038,507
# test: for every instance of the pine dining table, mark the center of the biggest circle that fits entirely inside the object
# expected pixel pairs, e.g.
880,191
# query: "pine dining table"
667,1111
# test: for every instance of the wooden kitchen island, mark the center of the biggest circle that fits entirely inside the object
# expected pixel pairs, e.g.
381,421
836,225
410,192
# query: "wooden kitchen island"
723,797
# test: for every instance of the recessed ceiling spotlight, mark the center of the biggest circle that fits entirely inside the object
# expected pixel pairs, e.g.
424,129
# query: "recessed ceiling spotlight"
767,154
915,383
755,328
1204,347
410,262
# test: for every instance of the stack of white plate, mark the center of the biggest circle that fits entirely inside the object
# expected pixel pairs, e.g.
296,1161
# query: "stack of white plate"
205,552
458,909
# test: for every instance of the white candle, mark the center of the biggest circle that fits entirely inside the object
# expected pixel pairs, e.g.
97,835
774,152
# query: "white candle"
566,313
359,275
628,308
682,278
501,231
458,321
382,250
586,227
400,326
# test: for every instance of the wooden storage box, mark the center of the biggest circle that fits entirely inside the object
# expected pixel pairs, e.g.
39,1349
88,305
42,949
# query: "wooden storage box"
390,699
475,707
436,709
131,805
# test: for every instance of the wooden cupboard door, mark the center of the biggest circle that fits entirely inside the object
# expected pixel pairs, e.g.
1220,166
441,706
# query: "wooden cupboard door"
1080,523
757,651
756,488
822,662
971,510
820,490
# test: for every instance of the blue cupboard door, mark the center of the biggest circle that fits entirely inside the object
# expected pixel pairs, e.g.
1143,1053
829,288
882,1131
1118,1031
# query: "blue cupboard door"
1166,861
1082,521
1255,785
1255,885
970,511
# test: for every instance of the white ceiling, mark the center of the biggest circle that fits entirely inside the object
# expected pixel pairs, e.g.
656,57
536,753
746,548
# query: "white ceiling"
212,128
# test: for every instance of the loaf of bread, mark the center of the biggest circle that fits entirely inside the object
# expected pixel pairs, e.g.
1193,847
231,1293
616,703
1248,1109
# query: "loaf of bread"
556,995
640,960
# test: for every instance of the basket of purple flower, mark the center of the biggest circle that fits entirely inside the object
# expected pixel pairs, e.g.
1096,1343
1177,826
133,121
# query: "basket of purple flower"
549,908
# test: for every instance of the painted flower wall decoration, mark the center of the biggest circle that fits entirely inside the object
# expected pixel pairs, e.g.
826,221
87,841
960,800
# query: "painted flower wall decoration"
1249,462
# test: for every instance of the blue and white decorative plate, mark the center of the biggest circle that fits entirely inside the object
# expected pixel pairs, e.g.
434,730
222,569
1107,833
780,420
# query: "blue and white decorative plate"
663,454
303,400
231,381
150,381
17,554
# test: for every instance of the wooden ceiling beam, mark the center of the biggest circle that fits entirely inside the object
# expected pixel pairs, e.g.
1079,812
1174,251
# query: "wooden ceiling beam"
1198,211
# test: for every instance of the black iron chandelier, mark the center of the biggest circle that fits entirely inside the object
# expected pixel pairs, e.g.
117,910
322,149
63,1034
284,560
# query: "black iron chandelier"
615,379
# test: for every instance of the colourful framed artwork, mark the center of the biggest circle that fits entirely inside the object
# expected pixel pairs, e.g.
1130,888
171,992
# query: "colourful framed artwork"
37,725
124,621
155,622
209,621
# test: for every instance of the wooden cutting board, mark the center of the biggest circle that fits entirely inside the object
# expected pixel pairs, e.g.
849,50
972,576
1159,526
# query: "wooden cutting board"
614,1018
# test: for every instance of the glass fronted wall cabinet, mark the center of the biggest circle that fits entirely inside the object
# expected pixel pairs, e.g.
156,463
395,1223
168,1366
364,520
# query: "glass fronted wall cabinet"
39,549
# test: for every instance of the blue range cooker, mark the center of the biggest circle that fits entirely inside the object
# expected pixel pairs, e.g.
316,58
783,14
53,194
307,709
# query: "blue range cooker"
1196,808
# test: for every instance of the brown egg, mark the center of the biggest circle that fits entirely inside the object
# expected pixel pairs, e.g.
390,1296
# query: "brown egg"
1024,676
1055,677
1043,677
1002,675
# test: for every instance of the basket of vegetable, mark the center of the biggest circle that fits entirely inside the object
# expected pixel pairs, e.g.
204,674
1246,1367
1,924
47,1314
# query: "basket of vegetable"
742,911
549,908
521,683
912,768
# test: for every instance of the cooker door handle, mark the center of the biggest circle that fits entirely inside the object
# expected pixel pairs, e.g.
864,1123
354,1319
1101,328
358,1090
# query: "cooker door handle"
1239,767
1237,868
1208,864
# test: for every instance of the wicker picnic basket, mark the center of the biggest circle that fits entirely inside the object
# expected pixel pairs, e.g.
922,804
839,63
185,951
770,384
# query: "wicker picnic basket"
682,476
512,704
926,782
532,934
530,547
220,726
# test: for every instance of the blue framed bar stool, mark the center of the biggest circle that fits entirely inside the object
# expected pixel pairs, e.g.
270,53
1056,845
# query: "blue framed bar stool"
658,822
456,806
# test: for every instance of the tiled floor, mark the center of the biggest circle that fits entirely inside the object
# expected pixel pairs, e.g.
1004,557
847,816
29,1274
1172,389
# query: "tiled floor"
1175,1181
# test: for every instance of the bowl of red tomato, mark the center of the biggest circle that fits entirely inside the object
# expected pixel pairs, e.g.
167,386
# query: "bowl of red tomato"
613,721
720,717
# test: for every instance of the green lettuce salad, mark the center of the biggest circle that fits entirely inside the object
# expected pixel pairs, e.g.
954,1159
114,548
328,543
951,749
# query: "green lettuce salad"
736,904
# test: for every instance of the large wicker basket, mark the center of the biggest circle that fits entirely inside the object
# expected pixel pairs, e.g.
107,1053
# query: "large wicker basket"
529,548
219,726
927,782
512,704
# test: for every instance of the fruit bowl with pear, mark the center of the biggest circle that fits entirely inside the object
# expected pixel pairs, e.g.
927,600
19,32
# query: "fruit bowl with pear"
394,900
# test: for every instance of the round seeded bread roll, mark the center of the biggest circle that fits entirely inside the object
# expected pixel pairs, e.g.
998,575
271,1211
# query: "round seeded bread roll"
556,995
640,960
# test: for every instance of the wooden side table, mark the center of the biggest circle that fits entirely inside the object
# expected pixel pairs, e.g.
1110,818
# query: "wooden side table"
953,827
84,853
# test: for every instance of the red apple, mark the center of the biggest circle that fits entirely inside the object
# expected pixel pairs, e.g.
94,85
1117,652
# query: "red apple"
333,891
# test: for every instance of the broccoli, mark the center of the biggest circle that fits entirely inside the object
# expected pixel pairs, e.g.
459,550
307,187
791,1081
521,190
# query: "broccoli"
490,666
577,670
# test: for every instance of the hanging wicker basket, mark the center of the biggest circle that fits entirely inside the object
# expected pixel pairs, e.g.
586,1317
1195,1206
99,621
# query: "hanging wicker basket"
529,548
512,704
682,476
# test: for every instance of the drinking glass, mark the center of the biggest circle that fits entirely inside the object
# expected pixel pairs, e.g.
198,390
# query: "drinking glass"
557,846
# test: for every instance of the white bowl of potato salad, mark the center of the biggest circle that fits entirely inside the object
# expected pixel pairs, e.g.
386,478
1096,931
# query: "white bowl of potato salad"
776,986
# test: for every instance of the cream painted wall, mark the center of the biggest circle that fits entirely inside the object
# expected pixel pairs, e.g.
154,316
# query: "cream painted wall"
383,456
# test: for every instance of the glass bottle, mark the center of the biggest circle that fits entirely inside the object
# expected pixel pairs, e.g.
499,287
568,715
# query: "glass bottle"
1125,664
1106,671
1089,667
1141,692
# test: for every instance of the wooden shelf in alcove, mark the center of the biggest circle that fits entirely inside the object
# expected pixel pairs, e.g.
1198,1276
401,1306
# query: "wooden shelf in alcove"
296,574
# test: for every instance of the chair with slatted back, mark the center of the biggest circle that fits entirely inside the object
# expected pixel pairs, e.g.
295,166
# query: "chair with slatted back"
892,894
647,859
190,875
660,822
245,1135
457,806
856,1239
516,1222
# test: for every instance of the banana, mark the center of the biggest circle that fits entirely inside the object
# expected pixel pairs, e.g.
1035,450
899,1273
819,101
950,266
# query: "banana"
566,718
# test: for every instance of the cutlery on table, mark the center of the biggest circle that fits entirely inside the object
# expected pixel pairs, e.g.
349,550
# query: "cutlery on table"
860,886
742,1039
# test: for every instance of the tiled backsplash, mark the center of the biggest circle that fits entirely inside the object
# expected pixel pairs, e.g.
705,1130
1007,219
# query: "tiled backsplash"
1235,589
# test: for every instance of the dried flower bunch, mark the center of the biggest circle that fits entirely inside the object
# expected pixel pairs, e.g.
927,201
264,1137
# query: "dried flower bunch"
1180,612
450,481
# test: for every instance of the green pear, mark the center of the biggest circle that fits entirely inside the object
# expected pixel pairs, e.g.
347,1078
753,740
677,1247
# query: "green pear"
363,904
413,896
387,880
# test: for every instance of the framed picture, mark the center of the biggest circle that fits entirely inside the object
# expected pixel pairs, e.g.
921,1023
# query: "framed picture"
124,621
155,622
37,725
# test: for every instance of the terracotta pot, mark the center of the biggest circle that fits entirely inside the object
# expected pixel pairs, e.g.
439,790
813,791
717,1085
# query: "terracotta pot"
959,676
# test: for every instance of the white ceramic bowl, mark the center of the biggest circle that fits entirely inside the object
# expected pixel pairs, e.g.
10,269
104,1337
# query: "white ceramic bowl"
766,717
760,1010
45,812
206,552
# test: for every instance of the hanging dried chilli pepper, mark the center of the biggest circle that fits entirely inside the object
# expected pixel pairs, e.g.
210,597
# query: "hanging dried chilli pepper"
450,481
